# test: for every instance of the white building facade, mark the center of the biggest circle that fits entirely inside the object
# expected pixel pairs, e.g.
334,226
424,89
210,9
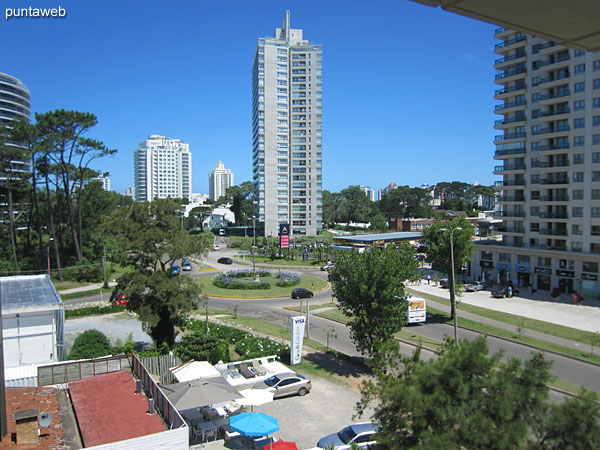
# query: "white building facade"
162,169
104,180
549,160
287,128
219,180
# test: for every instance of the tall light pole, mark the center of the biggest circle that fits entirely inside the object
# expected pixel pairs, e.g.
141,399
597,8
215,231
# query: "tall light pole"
254,246
453,291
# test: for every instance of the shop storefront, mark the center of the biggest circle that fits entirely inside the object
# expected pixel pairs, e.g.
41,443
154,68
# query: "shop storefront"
504,272
543,278
486,271
589,285
565,281
523,278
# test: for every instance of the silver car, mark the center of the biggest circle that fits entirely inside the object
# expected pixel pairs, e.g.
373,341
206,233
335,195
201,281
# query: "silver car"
285,384
360,434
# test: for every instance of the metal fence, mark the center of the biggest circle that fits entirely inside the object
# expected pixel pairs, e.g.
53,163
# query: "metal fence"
170,415
159,365
78,370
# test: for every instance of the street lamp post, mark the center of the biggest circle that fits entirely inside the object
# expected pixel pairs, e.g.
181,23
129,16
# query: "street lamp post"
453,292
254,247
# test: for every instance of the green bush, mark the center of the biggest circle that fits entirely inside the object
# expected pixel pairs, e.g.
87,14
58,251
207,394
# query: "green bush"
93,311
201,347
90,344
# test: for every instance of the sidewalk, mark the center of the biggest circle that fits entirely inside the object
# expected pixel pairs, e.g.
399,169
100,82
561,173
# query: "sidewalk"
87,287
540,306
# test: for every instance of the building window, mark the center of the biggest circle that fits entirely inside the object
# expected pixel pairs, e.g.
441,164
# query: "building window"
578,194
597,83
578,141
576,230
596,121
578,158
578,53
594,248
596,157
579,123
595,231
596,175
576,246
579,68
597,65
596,102
595,212
595,194
577,177
577,211
579,105
595,139
544,261
580,87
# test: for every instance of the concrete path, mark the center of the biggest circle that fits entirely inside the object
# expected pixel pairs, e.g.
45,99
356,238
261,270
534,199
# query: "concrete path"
540,306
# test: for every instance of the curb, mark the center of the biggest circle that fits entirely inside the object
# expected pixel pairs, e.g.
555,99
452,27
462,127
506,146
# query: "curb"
265,298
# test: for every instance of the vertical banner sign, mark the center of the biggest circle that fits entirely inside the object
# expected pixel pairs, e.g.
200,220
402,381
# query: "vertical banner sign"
297,338
284,235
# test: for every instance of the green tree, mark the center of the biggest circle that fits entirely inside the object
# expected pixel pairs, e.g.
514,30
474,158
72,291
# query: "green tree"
331,205
240,200
150,239
369,288
355,206
201,346
90,344
462,399
438,249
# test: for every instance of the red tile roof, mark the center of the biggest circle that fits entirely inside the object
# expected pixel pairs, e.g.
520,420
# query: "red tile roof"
109,410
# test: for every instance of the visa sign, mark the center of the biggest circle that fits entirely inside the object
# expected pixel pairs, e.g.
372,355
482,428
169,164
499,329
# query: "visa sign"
297,337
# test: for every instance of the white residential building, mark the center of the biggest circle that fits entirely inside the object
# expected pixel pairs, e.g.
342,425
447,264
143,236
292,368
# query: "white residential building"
370,193
162,169
104,180
549,155
287,128
219,180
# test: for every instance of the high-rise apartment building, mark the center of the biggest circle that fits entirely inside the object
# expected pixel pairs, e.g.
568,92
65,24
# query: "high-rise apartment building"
104,180
287,127
219,180
14,105
162,168
370,193
548,153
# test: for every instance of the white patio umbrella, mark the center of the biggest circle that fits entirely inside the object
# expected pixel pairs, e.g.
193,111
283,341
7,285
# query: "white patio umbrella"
254,397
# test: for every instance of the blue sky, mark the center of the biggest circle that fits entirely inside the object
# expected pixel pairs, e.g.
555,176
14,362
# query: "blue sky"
407,89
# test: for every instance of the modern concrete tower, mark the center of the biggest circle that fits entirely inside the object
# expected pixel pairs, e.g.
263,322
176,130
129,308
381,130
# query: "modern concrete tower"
15,105
548,152
219,180
162,169
287,127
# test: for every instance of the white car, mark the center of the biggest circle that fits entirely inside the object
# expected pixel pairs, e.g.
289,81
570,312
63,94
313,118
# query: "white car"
215,247
360,434
474,287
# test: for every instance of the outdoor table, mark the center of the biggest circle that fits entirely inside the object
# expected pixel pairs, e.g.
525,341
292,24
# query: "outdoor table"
261,442
207,430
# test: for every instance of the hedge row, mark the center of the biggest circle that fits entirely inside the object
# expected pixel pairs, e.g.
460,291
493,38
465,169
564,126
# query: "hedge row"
93,311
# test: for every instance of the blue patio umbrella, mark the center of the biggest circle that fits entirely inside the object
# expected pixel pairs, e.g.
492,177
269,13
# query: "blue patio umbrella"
254,424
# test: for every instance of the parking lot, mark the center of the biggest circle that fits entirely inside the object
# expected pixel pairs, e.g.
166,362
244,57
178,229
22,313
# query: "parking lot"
304,420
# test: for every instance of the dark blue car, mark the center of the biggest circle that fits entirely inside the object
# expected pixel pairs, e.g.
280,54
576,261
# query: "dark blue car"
175,270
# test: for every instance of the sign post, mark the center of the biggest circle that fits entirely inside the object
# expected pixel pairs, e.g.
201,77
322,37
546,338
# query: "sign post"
297,337
284,235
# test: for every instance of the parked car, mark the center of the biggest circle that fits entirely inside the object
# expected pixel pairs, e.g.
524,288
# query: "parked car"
502,292
420,257
474,287
121,300
302,293
175,270
285,384
328,266
215,247
360,434
444,283
225,261
184,260
186,266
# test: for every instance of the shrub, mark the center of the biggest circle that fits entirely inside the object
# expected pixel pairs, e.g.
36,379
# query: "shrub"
248,273
93,311
287,279
224,281
201,347
90,344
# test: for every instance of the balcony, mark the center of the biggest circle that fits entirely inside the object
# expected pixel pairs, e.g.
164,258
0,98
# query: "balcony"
553,198
510,73
539,47
510,42
506,136
509,183
508,167
509,213
553,232
553,113
510,198
559,129
502,229
547,62
513,151
509,90
549,79
554,215
509,58
561,180
510,105
546,164
560,94
500,30
544,148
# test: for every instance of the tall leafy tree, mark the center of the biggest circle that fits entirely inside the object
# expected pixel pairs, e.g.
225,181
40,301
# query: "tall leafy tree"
369,288
331,202
461,399
437,239
240,200
355,206
150,237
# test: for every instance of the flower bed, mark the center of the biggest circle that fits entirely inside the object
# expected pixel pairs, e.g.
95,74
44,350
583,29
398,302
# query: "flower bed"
287,279
235,280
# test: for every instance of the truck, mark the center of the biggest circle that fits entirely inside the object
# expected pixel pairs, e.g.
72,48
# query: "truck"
417,310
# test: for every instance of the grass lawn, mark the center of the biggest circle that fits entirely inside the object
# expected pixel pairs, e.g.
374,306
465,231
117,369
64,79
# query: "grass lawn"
106,292
311,283
265,260
518,321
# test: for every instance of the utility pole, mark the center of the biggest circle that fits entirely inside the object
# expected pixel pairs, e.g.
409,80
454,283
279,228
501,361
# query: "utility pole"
104,267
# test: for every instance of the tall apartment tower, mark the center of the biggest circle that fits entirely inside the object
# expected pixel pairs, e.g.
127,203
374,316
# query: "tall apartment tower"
287,127
548,152
162,168
14,105
219,180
